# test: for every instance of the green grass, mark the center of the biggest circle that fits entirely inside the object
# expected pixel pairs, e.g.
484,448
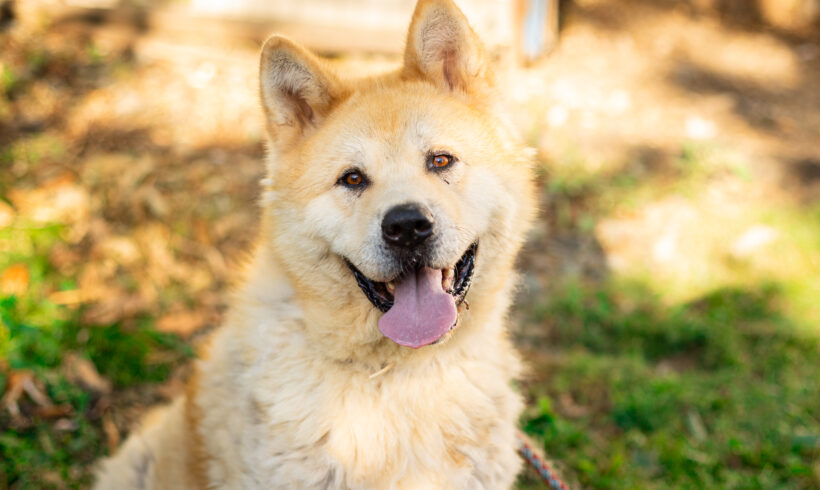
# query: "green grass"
660,381
720,392
35,335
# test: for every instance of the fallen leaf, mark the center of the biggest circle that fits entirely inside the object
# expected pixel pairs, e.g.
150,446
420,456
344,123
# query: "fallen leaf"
65,425
155,240
35,393
54,411
14,280
572,409
112,434
83,372
182,323
60,200
231,224
154,201
110,310
94,282
14,390
64,258
71,297
100,408
122,249
52,479
20,382
202,233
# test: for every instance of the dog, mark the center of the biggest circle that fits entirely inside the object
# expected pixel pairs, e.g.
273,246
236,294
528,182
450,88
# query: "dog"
367,348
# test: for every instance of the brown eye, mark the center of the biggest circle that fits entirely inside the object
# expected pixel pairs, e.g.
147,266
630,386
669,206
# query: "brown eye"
353,179
440,161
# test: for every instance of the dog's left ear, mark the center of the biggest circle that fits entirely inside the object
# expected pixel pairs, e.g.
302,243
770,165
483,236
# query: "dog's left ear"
442,48
297,90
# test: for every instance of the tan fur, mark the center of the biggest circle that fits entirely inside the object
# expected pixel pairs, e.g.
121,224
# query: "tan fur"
285,398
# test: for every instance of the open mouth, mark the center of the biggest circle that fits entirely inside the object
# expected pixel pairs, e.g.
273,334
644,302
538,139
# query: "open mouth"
420,306
455,281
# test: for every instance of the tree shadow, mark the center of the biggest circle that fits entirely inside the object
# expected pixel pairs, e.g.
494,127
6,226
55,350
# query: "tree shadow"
785,114
753,102
789,114
803,176
737,15
563,246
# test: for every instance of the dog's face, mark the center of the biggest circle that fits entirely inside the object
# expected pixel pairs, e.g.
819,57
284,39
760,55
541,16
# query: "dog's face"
405,189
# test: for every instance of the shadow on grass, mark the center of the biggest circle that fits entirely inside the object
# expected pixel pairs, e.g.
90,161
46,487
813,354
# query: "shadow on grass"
574,198
736,15
720,392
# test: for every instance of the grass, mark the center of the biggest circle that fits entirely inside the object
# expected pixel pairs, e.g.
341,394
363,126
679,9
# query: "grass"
658,379
44,450
720,392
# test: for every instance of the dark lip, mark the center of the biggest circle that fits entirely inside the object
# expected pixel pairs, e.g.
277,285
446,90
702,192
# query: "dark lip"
378,295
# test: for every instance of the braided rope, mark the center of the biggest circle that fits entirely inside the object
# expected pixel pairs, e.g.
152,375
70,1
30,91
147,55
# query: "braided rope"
539,465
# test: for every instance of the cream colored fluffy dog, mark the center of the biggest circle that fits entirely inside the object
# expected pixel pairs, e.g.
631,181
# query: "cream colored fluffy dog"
367,348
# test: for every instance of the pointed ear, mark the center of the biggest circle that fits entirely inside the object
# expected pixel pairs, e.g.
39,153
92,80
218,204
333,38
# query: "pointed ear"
442,48
297,91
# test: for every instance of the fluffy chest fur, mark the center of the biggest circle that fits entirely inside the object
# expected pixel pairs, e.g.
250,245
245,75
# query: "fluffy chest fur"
292,420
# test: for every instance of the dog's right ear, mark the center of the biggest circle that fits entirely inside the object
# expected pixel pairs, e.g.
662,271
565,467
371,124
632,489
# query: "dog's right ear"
297,91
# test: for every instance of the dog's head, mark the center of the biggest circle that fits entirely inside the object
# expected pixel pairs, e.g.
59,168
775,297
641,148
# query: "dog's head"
390,198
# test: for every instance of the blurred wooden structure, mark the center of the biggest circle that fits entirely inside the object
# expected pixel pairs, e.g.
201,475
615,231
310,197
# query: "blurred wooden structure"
535,31
528,27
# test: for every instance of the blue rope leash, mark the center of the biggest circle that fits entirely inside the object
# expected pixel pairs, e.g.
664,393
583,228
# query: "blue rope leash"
539,465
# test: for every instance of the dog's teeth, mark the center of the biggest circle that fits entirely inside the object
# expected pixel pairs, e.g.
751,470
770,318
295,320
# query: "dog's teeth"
447,277
391,287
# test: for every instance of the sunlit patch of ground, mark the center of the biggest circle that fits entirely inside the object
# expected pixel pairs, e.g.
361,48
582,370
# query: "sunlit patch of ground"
670,290
668,305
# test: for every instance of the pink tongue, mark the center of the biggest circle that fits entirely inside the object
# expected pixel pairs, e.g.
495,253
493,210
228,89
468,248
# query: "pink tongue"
422,311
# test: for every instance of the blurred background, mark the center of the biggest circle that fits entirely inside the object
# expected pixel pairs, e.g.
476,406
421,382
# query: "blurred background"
670,299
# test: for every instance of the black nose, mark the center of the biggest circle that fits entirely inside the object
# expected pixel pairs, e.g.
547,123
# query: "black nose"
407,225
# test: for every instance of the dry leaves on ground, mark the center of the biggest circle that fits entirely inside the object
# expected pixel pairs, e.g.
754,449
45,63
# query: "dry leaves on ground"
82,372
23,382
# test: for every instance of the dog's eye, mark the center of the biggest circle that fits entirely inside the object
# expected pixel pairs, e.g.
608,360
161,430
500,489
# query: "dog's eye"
440,161
353,179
